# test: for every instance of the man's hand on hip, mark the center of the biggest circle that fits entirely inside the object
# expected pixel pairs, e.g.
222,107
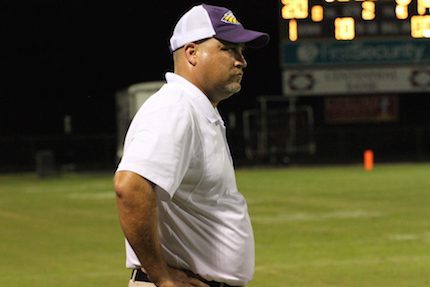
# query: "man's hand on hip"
179,278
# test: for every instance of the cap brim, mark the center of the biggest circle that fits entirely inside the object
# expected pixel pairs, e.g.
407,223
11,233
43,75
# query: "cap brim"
250,38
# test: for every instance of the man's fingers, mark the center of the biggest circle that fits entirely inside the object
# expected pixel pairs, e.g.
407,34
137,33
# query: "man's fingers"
196,282
186,279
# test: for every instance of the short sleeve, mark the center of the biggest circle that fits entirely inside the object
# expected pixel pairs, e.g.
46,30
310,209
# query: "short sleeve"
159,144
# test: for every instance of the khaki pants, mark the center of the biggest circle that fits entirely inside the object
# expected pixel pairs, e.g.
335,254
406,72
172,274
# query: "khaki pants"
132,283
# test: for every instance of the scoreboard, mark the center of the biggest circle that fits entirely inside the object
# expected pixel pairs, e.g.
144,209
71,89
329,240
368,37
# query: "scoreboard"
351,47
347,20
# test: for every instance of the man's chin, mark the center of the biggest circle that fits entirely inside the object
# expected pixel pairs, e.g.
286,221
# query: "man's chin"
235,88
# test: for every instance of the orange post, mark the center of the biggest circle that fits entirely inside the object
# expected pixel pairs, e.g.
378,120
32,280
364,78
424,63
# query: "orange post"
368,160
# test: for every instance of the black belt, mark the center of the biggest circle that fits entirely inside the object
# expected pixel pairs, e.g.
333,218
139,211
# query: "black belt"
141,276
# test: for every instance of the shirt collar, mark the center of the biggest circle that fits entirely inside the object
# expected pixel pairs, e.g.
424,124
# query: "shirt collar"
199,100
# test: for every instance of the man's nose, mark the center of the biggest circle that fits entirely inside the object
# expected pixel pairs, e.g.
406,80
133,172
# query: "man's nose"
242,61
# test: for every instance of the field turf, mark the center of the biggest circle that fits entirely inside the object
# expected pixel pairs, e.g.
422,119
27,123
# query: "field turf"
314,227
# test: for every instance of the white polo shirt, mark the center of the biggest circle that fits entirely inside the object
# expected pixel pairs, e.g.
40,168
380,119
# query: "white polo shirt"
177,141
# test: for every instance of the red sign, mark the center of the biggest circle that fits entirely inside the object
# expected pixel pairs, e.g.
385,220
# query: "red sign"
361,109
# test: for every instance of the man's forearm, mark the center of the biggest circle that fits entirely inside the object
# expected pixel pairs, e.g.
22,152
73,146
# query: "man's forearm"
137,209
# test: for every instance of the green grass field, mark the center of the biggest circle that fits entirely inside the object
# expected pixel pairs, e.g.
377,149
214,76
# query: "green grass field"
326,226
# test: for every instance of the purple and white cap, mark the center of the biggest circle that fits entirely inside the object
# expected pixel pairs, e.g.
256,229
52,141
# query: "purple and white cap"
207,21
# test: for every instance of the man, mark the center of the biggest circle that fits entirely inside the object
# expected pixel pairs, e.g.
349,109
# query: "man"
184,220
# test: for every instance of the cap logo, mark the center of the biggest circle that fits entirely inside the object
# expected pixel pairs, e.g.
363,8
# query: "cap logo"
230,18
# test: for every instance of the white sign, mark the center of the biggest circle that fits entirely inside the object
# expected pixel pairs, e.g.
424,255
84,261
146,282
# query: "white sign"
303,82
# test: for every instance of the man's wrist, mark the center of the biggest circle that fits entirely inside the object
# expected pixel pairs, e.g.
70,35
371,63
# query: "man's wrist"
159,276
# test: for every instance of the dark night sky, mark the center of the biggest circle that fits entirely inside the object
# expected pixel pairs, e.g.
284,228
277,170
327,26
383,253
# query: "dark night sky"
70,57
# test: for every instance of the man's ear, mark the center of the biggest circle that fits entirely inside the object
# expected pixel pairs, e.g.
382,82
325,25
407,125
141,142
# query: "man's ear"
190,51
